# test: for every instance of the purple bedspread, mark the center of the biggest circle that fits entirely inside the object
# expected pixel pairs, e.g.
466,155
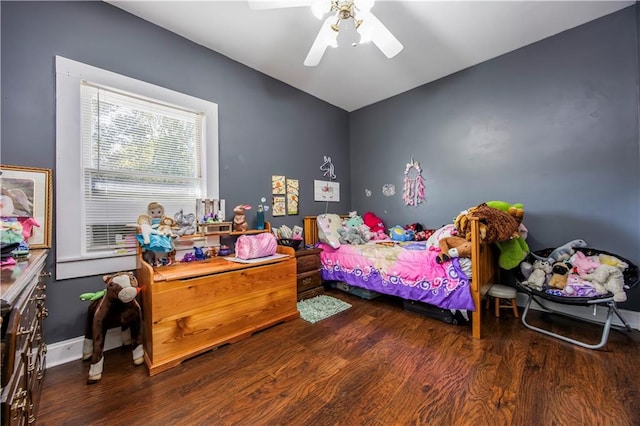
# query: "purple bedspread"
410,273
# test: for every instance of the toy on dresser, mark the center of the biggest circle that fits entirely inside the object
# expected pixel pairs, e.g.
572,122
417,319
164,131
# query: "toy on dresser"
240,220
156,234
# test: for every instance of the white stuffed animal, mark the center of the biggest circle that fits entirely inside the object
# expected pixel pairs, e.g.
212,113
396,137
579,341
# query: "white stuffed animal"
539,276
608,278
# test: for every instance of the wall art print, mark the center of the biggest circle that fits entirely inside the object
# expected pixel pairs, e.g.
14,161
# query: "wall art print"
324,190
293,190
278,185
278,205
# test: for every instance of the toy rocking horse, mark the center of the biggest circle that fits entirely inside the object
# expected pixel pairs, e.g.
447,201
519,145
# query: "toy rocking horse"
113,307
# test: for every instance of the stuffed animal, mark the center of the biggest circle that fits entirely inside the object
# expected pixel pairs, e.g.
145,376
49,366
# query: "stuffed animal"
560,272
398,233
607,259
515,250
166,227
515,210
582,264
451,247
608,278
118,307
376,226
354,221
186,223
564,252
539,275
495,225
350,235
240,220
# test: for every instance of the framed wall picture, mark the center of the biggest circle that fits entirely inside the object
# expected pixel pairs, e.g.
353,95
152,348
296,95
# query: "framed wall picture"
278,205
28,193
293,189
324,190
278,185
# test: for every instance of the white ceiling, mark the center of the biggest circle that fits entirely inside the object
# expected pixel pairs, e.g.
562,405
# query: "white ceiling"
439,38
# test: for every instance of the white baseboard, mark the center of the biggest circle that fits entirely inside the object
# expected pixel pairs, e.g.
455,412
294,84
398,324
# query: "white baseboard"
586,312
71,350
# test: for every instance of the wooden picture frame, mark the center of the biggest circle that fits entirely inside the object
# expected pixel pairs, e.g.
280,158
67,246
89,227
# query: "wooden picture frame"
31,190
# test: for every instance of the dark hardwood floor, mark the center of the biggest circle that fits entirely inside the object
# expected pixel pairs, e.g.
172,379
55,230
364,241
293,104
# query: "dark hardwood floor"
373,364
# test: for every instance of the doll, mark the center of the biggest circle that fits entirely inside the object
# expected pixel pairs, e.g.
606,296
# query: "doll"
155,212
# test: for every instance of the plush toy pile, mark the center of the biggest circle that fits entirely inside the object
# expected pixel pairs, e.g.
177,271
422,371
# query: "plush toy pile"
571,273
501,223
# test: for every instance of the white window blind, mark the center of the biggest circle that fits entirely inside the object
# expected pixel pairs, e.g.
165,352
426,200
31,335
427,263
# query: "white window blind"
135,150
120,144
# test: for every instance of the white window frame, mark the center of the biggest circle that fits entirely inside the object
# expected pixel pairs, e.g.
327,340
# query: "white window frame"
72,259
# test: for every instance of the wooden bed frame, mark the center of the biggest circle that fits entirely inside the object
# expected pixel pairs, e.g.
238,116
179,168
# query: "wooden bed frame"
484,264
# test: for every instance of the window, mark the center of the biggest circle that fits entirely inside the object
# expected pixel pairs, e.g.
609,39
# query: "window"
122,143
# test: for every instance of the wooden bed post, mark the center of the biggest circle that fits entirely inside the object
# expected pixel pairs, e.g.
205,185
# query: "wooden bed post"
476,265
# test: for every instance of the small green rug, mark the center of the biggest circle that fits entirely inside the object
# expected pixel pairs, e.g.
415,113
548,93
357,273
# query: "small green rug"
320,307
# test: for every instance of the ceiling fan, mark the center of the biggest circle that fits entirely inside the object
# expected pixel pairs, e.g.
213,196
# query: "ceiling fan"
359,11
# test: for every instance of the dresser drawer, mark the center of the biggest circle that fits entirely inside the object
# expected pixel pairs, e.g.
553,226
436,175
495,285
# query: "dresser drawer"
308,263
309,280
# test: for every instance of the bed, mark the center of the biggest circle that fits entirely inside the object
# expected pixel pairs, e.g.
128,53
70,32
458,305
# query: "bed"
382,269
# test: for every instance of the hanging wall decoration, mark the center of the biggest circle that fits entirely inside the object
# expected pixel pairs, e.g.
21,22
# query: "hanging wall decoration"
328,169
292,196
277,185
413,191
388,189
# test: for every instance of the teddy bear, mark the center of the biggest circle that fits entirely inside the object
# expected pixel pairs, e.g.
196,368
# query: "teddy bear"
541,270
560,272
608,278
451,247
240,220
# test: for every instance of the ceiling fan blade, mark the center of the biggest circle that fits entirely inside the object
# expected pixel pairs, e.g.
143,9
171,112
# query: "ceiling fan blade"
373,30
326,37
277,4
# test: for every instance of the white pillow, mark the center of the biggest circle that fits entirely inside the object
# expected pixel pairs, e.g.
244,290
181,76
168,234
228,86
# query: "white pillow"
328,225
444,232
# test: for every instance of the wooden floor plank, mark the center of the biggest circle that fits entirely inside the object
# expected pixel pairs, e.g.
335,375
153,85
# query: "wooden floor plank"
374,364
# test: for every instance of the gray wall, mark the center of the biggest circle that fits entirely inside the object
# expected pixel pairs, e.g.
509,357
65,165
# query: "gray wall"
553,125
266,127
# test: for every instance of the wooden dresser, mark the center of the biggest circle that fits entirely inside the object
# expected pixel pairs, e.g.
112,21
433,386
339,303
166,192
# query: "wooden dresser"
308,279
190,308
23,347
